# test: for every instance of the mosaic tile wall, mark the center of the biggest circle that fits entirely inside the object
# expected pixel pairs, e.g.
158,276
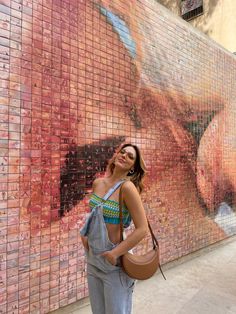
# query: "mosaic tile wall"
79,77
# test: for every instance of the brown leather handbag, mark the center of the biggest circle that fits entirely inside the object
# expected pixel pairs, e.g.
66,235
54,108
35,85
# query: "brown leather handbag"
140,266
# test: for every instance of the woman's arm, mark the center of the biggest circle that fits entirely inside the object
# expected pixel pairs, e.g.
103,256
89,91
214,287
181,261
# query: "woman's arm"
134,204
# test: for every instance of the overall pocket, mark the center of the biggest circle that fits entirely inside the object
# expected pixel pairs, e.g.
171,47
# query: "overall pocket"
100,262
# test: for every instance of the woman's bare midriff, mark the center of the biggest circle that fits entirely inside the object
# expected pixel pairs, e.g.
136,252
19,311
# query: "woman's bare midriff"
113,233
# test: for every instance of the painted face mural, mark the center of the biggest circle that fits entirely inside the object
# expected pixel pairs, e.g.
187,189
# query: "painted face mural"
83,77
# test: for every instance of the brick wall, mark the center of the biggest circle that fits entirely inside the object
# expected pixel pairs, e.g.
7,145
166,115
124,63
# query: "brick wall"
77,79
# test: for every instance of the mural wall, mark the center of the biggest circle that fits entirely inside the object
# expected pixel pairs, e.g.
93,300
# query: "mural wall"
78,78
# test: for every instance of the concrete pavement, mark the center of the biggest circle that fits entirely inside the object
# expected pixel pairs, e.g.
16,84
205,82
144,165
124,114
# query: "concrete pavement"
201,283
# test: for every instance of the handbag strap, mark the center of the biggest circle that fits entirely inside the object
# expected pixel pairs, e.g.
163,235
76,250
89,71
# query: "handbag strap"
154,240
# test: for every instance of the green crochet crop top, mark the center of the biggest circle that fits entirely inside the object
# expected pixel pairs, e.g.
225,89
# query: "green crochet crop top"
111,210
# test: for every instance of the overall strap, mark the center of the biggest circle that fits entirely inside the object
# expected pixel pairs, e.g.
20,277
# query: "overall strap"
112,190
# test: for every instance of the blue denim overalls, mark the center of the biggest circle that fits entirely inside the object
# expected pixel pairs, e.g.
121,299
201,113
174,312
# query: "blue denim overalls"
110,289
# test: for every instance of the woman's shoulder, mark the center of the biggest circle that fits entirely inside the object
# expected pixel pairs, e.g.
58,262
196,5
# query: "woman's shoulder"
130,193
129,187
97,183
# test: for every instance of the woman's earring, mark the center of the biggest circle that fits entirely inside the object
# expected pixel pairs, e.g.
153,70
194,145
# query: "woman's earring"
131,172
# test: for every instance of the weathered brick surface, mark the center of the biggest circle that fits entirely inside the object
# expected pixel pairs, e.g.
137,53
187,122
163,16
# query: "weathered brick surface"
77,79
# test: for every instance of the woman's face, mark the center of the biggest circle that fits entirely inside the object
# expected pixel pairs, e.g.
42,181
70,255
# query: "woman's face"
126,158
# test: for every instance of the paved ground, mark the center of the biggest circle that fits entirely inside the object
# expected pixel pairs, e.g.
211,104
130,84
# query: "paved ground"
204,284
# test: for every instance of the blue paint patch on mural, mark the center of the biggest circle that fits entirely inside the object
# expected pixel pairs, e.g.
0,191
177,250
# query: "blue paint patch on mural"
121,28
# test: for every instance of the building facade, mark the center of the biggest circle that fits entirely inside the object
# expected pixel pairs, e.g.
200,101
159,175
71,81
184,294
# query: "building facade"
215,18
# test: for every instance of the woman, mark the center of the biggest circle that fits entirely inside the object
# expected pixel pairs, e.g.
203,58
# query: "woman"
110,289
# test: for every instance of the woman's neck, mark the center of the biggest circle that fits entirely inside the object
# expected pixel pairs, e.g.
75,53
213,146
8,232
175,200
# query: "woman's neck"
117,175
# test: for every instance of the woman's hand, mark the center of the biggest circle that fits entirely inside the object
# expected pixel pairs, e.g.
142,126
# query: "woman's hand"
85,242
110,257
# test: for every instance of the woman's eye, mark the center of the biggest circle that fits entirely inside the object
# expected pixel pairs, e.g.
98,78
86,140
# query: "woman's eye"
130,156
